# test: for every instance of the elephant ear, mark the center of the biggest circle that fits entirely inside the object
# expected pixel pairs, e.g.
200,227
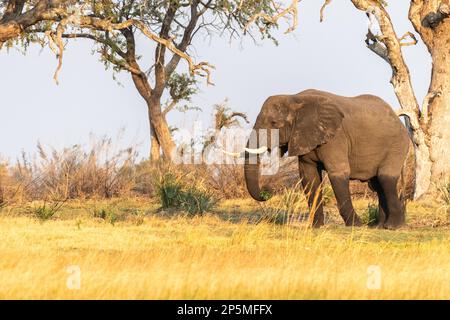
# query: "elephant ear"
314,125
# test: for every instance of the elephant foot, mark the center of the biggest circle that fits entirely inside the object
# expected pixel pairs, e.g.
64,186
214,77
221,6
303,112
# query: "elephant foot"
379,225
391,225
376,226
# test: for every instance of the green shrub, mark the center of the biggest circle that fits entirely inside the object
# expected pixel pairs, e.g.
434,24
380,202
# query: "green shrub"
45,212
179,192
196,201
371,216
169,190
106,214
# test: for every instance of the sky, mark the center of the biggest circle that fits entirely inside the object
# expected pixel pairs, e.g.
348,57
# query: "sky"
329,56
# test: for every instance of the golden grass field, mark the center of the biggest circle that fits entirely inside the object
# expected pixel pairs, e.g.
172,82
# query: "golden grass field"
222,255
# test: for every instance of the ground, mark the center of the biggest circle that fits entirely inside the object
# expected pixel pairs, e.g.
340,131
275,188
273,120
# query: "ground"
135,251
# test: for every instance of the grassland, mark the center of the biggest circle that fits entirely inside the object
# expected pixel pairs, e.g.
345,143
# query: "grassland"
232,253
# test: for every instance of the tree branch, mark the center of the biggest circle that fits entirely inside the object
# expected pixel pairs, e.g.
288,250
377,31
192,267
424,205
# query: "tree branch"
284,13
388,47
413,41
171,105
322,9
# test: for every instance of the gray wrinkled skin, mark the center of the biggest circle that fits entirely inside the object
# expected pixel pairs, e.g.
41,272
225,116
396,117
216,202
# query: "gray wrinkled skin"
352,138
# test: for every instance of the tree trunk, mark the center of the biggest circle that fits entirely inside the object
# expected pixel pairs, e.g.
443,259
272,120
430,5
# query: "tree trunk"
155,147
438,129
160,135
429,124
159,124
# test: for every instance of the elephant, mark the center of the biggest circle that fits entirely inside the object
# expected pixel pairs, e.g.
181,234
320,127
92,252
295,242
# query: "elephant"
351,138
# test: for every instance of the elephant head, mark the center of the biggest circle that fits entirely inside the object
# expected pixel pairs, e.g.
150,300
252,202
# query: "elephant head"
303,122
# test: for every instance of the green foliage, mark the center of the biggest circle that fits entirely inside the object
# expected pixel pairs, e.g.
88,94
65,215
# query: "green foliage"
182,86
169,190
176,192
107,214
265,195
196,201
44,212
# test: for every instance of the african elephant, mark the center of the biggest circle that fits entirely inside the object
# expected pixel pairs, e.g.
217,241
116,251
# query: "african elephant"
352,138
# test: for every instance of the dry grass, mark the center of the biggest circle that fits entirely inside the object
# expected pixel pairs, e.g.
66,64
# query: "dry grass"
220,255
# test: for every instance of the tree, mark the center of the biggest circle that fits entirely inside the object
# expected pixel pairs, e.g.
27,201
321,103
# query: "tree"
113,25
173,24
428,123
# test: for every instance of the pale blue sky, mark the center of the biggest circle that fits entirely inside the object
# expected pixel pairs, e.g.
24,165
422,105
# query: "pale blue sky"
329,56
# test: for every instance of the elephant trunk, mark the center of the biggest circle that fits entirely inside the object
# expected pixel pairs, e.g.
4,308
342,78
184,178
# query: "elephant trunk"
252,174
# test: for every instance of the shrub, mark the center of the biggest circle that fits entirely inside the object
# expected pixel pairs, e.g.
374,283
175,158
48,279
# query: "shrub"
107,214
196,201
169,190
371,215
180,190
102,171
45,212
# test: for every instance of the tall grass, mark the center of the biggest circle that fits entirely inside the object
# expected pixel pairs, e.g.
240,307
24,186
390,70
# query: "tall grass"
73,172
208,258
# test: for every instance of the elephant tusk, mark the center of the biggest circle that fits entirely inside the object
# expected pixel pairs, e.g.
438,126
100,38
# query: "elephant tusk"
241,154
256,151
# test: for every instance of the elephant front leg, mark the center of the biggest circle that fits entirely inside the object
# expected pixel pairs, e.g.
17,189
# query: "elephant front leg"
311,178
341,188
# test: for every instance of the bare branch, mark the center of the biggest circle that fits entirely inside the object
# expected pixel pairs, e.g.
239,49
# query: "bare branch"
322,10
413,41
291,10
171,105
59,42
376,46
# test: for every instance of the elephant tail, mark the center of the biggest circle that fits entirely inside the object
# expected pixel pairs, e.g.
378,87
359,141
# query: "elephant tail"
408,176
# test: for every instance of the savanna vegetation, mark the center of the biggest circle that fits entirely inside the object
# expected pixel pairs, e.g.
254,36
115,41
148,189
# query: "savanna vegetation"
77,224
100,222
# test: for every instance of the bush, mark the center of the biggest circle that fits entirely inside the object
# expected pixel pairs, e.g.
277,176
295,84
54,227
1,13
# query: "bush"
45,212
196,201
371,215
102,171
107,214
169,191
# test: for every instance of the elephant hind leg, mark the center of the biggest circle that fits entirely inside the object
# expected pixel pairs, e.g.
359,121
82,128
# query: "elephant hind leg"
374,184
395,217
341,188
